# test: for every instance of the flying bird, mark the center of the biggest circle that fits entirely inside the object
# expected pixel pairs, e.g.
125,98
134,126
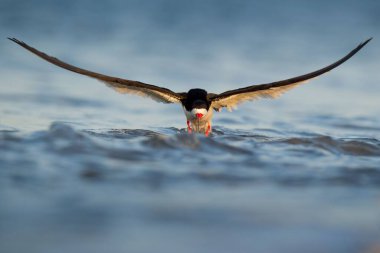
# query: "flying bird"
198,104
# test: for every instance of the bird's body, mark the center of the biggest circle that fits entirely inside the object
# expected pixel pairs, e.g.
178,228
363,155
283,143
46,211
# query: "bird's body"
197,104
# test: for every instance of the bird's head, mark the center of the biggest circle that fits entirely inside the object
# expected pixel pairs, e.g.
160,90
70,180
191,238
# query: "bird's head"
197,103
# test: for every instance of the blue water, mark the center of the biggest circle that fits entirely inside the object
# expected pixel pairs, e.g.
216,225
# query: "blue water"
84,169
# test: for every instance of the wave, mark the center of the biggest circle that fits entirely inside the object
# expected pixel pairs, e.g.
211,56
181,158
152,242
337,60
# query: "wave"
172,155
341,146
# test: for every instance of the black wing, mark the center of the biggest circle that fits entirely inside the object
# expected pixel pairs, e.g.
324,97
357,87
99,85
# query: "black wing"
157,93
232,98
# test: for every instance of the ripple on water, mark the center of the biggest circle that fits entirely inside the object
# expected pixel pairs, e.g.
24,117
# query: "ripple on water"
227,156
346,146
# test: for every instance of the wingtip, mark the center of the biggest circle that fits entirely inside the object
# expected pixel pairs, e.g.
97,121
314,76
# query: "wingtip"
12,39
15,40
366,41
362,44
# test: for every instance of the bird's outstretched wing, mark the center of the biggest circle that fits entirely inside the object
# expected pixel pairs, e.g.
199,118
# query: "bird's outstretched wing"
157,93
232,98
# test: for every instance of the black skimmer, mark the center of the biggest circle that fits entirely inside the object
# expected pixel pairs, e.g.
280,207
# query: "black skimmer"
197,104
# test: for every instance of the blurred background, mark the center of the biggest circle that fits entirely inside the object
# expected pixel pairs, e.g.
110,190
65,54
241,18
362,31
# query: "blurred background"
140,203
215,45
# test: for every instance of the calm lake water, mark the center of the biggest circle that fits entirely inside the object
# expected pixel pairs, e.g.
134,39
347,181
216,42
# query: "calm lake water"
84,169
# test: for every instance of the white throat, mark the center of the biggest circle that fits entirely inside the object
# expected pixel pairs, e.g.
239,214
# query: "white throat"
200,125
197,111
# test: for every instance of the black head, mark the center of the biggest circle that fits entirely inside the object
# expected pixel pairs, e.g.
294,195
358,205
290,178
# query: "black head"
196,98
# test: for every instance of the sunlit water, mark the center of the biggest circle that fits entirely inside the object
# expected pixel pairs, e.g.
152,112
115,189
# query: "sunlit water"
84,169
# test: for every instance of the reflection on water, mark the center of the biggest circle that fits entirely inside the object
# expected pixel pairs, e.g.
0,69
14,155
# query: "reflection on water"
83,169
